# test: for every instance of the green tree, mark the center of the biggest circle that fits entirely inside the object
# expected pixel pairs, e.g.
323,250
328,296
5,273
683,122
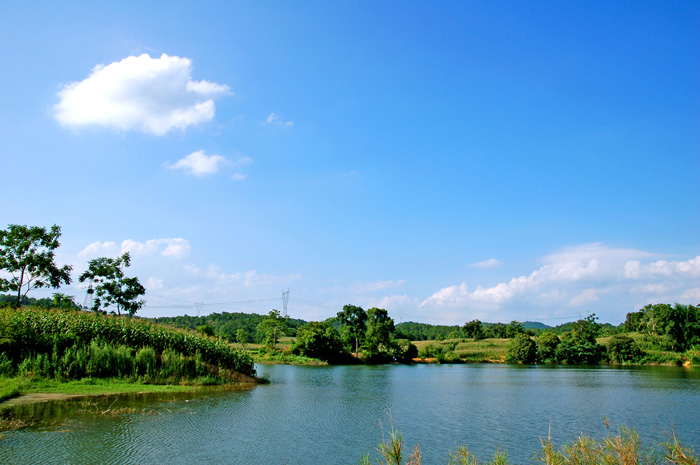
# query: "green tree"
109,286
547,346
59,300
521,349
474,330
353,320
622,348
496,330
242,337
513,329
380,332
318,339
579,345
273,326
207,330
27,255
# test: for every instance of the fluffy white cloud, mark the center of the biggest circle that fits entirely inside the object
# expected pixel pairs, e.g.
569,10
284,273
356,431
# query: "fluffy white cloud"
152,95
490,263
176,247
171,247
98,248
585,272
199,164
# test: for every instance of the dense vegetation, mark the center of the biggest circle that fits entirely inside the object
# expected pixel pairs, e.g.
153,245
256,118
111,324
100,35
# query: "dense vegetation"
68,344
227,325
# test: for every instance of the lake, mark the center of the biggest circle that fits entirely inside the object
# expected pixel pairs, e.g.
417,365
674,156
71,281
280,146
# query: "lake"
334,415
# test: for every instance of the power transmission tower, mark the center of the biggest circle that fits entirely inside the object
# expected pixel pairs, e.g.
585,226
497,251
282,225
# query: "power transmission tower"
285,300
87,304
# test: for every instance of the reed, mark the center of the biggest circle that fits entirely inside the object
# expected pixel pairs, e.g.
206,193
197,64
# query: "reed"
623,448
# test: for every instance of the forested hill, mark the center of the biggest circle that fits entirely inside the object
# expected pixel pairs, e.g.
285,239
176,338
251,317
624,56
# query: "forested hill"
226,324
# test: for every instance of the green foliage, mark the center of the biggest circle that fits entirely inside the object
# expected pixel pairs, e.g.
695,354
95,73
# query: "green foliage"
319,340
207,330
579,346
573,351
27,255
353,323
496,330
473,329
403,350
522,349
380,333
273,326
513,329
623,349
242,337
675,328
547,344
422,331
110,287
227,325
33,332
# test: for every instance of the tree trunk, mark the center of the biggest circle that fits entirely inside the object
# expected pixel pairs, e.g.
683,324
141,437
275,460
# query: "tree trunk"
19,289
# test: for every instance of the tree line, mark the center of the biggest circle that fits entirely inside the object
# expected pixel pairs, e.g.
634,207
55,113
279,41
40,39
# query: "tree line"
27,256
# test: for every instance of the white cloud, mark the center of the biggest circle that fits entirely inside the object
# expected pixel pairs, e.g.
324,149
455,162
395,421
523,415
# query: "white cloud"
152,95
691,296
490,263
584,298
275,120
171,247
98,248
153,284
199,164
585,272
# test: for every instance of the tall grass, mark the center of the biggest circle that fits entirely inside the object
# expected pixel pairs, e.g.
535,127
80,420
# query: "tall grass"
73,344
624,448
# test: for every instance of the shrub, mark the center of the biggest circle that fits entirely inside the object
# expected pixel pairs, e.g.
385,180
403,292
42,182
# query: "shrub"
318,340
521,349
547,346
623,349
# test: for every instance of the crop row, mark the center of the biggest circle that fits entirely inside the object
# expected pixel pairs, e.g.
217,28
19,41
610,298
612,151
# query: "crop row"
36,330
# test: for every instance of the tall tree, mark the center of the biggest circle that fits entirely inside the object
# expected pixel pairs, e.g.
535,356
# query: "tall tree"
380,331
109,286
27,254
272,326
473,329
354,320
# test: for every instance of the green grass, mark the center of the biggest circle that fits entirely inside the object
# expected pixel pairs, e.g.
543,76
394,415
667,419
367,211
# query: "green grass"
490,350
11,387
17,386
286,358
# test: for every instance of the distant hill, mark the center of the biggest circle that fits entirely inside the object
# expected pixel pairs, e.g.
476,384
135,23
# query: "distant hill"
535,325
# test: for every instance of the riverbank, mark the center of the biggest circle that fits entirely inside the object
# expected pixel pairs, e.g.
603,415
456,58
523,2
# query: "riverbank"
17,390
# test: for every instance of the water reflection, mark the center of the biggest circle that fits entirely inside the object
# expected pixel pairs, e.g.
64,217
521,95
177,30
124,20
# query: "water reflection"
333,415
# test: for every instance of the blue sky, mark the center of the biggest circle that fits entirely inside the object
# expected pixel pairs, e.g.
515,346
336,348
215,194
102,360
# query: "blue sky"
446,161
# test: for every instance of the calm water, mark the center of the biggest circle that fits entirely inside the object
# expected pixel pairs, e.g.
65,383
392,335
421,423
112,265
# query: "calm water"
334,415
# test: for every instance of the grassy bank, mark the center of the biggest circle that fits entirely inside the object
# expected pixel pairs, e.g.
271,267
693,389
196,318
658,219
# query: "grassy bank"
492,350
40,346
